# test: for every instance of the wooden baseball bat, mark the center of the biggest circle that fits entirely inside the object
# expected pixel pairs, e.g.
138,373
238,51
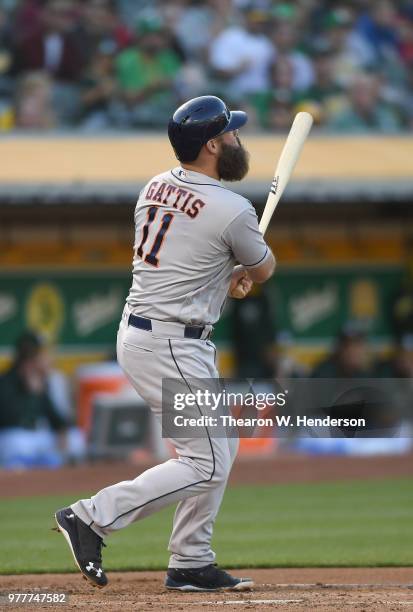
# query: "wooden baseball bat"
289,155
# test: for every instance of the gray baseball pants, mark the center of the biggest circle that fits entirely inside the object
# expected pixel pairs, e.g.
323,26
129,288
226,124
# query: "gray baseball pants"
197,478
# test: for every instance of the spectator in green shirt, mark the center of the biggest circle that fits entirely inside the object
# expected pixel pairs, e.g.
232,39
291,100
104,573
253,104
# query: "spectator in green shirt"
146,75
351,357
325,93
33,431
366,112
274,107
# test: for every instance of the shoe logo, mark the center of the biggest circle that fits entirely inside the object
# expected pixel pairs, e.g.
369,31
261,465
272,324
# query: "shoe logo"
91,567
70,516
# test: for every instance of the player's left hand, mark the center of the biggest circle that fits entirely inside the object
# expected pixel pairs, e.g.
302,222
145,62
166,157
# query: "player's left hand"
241,283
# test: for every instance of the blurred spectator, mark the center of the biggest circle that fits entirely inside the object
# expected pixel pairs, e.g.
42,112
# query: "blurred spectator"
282,76
384,406
325,93
271,58
286,41
35,429
400,365
5,43
192,81
145,75
7,117
381,28
98,88
194,23
101,26
52,47
6,86
241,56
274,107
350,53
34,108
27,19
406,39
290,73
378,27
350,359
281,114
132,10
366,112
406,96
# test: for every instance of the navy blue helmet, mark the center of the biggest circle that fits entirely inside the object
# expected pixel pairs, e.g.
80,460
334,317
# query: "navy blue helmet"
199,120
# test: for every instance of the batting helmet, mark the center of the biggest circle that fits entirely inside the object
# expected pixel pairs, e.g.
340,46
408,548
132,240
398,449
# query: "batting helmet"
199,120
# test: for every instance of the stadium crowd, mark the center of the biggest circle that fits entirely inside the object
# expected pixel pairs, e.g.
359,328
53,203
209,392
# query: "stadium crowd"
125,64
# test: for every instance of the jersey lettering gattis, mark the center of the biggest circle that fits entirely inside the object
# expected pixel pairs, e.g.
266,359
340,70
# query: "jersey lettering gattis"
190,231
170,195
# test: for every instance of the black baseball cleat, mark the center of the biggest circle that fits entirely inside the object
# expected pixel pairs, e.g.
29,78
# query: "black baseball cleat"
207,578
85,544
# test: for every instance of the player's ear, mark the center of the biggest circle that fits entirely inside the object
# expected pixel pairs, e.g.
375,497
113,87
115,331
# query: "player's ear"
212,146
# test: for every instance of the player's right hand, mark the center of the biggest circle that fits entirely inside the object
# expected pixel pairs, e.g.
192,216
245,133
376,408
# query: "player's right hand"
241,283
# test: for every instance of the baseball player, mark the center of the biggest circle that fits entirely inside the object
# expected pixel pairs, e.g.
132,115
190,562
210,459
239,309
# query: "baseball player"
190,231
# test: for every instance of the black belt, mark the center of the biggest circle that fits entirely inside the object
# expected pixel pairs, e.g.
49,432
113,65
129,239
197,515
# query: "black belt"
191,331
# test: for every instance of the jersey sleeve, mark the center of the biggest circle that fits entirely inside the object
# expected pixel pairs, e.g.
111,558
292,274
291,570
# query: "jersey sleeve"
245,240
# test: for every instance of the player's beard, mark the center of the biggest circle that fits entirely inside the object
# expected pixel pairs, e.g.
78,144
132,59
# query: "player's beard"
233,162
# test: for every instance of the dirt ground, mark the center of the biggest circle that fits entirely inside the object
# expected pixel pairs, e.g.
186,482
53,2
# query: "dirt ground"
285,589
279,469
293,589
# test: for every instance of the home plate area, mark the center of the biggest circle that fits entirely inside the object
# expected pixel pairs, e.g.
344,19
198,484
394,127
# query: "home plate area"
288,589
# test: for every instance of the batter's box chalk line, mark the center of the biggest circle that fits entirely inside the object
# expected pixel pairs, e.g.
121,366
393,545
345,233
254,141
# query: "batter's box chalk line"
257,602
338,585
246,602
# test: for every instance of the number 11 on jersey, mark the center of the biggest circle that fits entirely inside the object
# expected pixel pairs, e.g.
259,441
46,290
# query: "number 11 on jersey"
152,255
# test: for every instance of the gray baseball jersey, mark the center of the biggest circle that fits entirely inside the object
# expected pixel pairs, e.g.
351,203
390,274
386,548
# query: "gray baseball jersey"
190,231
